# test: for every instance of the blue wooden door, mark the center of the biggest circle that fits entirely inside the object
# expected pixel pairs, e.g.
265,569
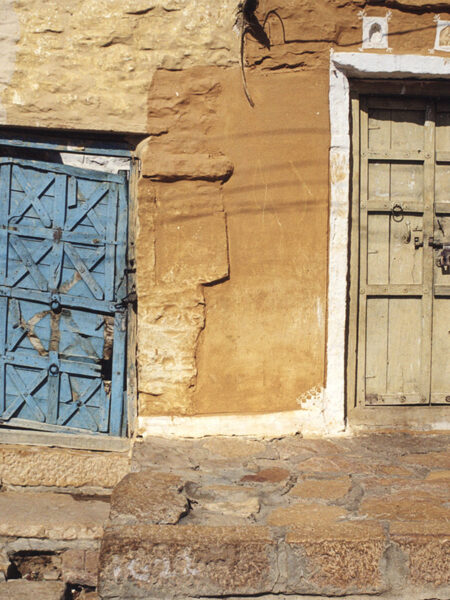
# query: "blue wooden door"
63,234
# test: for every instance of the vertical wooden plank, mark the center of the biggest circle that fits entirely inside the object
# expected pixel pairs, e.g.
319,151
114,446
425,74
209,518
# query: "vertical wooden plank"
440,372
5,190
110,246
3,322
406,184
443,127
120,320
363,217
440,378
428,257
404,346
118,374
378,249
131,379
407,129
377,134
442,183
59,213
72,189
376,350
121,248
405,264
441,233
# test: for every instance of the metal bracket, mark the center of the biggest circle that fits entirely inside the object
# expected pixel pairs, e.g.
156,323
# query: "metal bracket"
443,260
130,298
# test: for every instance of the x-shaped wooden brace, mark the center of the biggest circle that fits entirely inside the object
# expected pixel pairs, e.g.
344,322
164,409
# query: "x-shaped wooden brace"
80,405
30,262
24,394
87,209
79,340
33,196
84,271
24,328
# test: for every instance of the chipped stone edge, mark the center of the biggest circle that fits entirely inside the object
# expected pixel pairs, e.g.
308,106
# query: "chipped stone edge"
268,425
343,66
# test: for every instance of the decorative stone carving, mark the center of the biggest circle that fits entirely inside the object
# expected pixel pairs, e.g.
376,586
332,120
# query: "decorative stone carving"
375,32
442,41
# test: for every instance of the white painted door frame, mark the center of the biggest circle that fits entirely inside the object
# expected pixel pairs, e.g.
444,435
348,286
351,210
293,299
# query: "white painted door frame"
343,67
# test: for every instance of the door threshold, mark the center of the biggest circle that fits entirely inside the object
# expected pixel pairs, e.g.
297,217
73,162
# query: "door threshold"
64,440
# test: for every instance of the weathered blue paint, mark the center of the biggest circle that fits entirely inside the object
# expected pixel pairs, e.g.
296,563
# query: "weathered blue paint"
63,233
99,148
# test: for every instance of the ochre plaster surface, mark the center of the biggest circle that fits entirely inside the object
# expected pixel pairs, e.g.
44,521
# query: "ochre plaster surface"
232,201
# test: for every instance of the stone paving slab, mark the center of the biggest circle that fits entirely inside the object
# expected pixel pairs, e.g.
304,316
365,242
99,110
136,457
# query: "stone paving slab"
341,516
51,516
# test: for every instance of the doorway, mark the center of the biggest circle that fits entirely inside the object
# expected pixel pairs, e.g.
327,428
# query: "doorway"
63,290
399,316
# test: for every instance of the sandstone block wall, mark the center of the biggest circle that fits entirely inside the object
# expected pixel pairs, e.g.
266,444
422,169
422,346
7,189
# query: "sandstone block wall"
232,201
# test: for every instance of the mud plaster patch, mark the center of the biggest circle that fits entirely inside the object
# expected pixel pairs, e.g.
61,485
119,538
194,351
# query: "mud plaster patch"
313,398
9,36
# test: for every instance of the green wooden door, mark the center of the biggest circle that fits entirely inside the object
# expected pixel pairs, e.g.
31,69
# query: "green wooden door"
403,222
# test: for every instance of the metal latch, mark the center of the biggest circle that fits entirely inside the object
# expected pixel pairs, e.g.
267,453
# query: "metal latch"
130,298
443,260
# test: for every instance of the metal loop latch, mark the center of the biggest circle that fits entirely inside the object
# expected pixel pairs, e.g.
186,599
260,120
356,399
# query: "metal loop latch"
53,369
397,213
55,303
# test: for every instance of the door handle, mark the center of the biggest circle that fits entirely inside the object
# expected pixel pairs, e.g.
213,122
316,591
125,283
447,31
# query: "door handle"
435,244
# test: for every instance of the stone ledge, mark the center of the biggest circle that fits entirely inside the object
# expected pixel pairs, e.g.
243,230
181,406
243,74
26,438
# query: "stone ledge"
165,167
20,589
140,561
58,467
51,516
337,558
427,547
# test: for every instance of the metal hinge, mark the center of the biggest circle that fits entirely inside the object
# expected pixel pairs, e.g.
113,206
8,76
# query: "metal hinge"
130,298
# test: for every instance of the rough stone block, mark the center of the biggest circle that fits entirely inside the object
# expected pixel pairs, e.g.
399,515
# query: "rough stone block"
193,250
432,460
234,447
427,546
80,567
271,475
327,489
52,516
424,506
305,514
21,589
59,467
342,558
162,166
166,561
148,497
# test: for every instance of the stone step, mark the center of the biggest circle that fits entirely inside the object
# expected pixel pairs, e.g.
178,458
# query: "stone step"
20,589
51,516
51,537
296,518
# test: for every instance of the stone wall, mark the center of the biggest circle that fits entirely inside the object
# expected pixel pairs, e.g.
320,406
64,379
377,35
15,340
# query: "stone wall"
232,201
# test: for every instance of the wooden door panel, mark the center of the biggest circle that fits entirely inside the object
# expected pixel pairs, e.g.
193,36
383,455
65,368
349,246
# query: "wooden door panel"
393,351
442,193
62,278
440,372
396,128
407,130
400,296
392,257
404,346
443,127
407,185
